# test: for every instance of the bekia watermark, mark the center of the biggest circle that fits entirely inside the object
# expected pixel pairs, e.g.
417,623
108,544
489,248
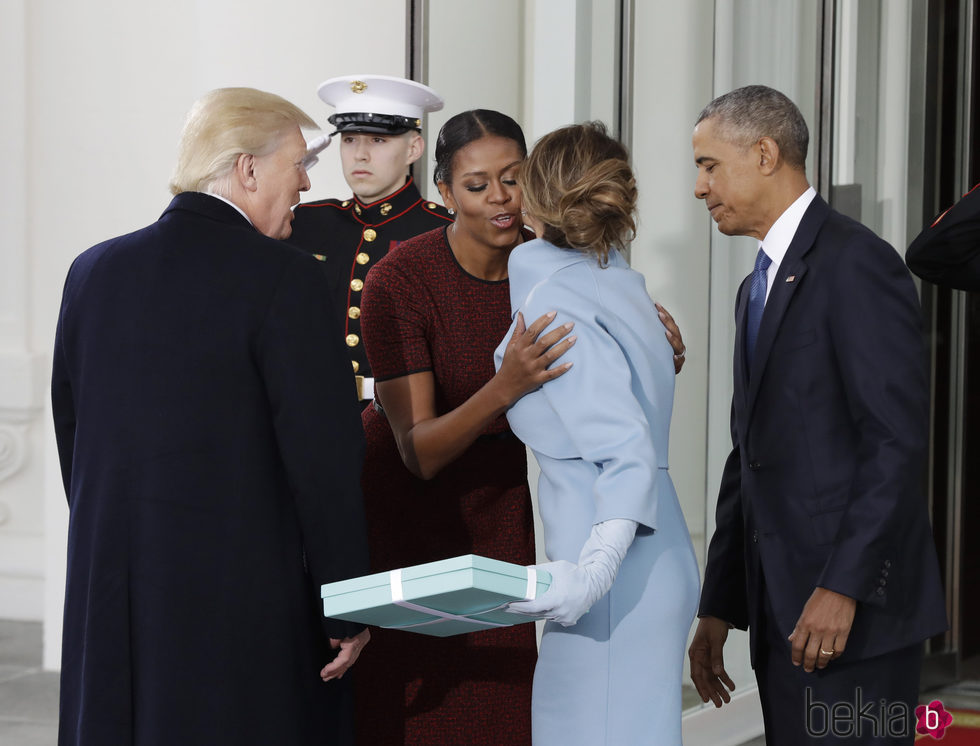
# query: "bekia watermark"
876,718
932,719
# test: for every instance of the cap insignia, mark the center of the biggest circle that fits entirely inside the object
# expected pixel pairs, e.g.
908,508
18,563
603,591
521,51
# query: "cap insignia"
358,86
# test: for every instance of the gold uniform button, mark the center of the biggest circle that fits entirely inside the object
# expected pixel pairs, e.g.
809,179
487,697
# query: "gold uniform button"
320,257
357,209
356,285
354,312
356,365
345,203
432,205
362,258
385,208
370,234
352,340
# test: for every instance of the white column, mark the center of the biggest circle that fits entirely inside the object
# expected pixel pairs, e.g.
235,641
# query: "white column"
893,129
559,56
21,394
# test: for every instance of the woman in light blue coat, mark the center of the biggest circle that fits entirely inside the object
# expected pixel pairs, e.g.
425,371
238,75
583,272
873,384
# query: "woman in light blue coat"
625,579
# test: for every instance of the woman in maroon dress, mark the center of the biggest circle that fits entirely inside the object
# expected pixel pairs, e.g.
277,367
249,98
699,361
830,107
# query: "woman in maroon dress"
444,475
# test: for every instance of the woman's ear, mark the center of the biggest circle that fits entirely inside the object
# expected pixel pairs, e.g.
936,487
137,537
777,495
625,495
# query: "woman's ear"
446,191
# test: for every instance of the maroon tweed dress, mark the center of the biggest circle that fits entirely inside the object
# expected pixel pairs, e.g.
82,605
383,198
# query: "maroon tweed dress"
423,312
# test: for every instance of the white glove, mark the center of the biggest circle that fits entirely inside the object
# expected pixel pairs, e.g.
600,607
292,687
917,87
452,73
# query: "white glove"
575,588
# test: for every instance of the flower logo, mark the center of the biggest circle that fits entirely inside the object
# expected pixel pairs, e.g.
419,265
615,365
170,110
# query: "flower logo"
933,720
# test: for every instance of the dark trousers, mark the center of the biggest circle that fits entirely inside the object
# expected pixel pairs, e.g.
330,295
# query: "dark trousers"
868,701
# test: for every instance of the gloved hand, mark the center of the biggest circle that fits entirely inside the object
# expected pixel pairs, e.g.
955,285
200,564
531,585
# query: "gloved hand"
576,587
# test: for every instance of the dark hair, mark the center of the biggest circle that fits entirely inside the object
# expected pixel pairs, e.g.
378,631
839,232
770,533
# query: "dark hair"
747,114
578,182
462,129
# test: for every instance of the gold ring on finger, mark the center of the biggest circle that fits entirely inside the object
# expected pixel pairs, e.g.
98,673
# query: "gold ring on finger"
825,652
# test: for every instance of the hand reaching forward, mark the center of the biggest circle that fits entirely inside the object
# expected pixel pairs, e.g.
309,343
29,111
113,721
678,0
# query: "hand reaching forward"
529,354
707,662
350,648
820,634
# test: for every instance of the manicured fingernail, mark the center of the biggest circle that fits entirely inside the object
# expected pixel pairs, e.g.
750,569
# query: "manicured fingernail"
551,314
662,315
571,340
569,325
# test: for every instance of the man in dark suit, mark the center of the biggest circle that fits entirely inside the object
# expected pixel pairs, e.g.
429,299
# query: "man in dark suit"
822,546
947,252
211,451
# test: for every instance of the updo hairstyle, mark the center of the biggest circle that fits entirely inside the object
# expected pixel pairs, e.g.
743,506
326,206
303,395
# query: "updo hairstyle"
469,126
578,182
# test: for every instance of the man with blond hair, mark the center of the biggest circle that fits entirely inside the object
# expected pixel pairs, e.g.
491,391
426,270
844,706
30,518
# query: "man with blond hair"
211,452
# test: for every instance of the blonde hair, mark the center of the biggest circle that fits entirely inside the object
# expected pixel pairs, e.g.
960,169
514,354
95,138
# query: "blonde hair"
578,182
224,124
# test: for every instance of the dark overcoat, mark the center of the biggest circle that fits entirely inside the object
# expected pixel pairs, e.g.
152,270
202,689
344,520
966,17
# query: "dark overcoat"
211,449
830,430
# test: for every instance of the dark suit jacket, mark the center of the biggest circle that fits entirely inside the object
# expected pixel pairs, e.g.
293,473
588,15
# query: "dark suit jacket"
948,251
211,449
823,485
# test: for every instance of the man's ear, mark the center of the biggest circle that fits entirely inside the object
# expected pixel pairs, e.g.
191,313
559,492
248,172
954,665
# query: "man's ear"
768,155
416,147
245,172
446,192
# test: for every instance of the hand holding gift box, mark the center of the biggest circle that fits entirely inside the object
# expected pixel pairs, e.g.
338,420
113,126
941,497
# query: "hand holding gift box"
450,597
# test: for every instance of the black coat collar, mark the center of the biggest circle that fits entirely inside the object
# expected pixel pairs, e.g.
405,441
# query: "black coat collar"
209,206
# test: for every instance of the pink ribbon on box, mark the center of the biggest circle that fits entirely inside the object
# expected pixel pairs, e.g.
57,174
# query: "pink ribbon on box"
398,598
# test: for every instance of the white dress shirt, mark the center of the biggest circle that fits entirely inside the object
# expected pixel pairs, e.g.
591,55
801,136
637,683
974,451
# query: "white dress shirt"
781,234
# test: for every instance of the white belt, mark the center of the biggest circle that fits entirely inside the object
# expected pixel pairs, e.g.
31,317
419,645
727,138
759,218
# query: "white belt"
365,387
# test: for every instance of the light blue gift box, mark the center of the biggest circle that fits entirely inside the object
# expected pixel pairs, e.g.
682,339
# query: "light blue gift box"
445,598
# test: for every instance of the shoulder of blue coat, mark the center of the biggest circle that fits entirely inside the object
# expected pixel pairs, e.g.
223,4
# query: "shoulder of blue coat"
541,273
537,259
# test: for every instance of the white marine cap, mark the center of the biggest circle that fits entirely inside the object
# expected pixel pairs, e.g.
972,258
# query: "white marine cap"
378,103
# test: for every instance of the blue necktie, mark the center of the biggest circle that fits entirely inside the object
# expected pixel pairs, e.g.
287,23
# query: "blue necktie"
757,302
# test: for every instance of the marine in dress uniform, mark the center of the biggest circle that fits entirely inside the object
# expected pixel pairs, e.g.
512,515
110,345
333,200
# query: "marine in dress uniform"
349,236
947,252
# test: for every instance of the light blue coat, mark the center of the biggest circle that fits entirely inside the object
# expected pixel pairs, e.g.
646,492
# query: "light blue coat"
600,434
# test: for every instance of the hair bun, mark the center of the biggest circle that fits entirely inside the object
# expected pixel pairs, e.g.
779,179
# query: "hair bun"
579,183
